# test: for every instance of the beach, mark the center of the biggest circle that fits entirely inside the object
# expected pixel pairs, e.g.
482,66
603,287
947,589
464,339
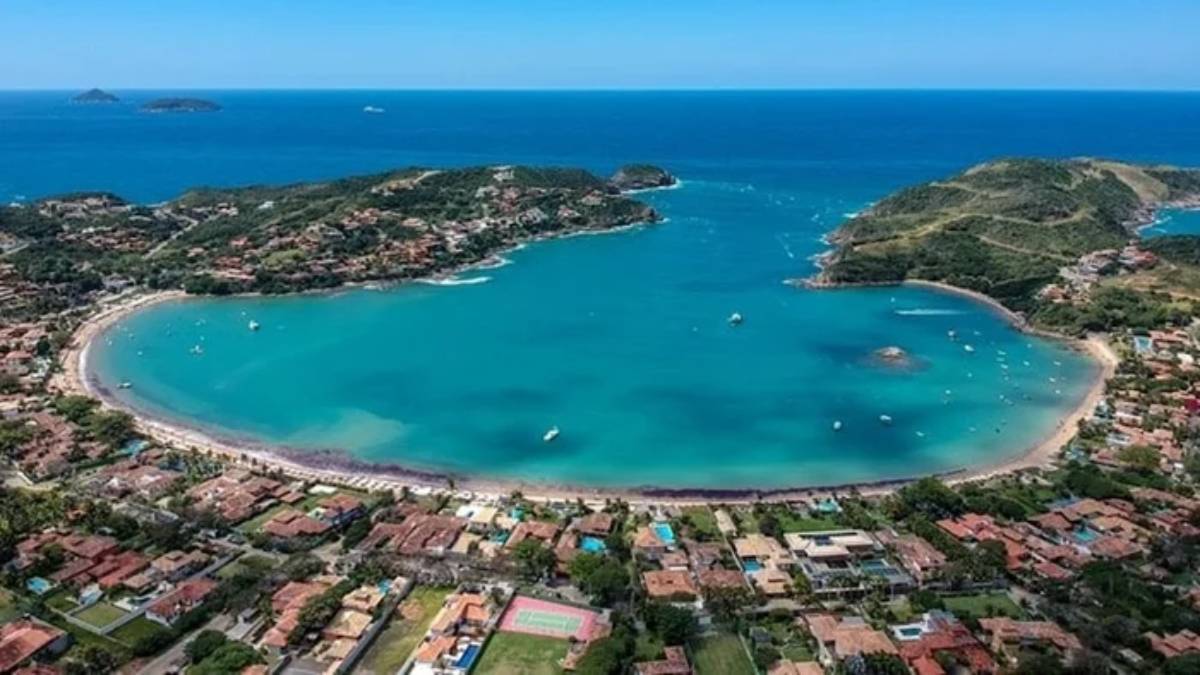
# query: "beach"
341,468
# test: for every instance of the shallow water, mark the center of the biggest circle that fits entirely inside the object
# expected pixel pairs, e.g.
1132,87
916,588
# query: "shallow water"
620,340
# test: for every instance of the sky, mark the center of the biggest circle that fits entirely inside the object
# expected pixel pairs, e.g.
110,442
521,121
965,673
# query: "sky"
605,44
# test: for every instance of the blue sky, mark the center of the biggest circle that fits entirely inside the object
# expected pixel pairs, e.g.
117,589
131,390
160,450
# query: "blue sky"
1109,44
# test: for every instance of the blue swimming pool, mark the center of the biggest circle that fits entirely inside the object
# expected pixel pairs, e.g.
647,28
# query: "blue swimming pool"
468,657
593,545
1085,535
1142,344
39,585
751,565
664,532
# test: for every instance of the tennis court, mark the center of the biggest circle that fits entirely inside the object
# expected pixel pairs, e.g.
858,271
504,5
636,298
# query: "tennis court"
539,617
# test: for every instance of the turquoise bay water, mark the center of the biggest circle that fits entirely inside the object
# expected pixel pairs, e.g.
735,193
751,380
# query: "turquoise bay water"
1174,222
620,340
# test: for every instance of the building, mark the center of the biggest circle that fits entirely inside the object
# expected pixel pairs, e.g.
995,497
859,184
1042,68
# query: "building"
674,662
918,557
23,640
187,596
1177,644
1008,636
670,585
841,638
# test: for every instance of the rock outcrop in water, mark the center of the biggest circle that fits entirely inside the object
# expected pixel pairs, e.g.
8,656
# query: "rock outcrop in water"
641,177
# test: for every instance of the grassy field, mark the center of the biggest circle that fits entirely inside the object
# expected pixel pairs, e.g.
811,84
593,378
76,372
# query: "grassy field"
100,614
520,654
133,631
397,641
62,600
647,648
721,655
983,605
247,562
703,521
791,522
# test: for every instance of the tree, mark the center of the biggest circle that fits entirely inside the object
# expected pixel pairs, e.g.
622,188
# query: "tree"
75,408
231,657
92,660
1140,457
535,560
928,496
765,656
1038,663
113,428
204,644
1187,664
675,625
601,577
726,603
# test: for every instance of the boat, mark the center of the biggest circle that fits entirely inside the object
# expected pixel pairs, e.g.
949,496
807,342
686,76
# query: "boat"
968,348
550,435
254,325
197,349
735,319
125,385
372,110
837,425
951,334
885,419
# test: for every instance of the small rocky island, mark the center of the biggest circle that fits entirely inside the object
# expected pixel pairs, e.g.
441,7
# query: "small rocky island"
180,105
95,96
641,177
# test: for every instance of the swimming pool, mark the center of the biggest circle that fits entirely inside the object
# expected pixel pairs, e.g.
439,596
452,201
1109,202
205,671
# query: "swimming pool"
664,532
751,565
468,657
1142,344
592,545
39,585
1086,535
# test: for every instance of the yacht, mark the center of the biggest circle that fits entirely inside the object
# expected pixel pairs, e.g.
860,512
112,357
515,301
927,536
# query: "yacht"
125,385
372,110
550,435
254,325
837,425
885,419
735,319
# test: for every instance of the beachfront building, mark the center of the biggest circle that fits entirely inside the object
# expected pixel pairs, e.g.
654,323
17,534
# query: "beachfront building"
845,563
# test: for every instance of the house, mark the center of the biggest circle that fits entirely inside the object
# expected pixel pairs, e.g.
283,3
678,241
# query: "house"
186,597
532,529
763,550
419,533
1008,636
26,639
594,525
339,510
347,624
943,633
648,544
840,638
674,662
670,585
286,604
290,524
1177,644
786,667
176,565
917,556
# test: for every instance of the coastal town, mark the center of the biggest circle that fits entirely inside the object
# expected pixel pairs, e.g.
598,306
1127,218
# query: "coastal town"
128,547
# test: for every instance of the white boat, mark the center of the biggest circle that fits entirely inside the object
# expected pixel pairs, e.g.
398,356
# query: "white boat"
550,435
197,349
735,319
951,334
372,110
254,325
968,348
837,425
125,385
885,419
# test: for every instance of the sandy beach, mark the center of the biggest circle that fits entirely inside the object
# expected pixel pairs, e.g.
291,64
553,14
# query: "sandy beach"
342,469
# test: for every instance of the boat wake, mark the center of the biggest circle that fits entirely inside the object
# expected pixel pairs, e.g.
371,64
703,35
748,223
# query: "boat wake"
456,281
928,312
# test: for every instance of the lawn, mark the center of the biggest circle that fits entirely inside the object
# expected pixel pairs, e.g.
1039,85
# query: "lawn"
255,524
983,605
521,654
100,614
647,648
721,655
62,600
135,630
703,521
397,641
247,562
791,522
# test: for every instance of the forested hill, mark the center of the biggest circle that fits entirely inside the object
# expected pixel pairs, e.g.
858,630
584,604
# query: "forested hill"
1005,228
60,252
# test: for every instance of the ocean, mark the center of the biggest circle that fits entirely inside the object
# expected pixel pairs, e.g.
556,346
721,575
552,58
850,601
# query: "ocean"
620,340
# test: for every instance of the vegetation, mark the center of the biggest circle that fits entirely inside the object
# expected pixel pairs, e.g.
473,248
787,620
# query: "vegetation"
518,654
1004,228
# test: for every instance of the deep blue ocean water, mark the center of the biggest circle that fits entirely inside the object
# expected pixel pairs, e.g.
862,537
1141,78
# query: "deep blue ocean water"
620,340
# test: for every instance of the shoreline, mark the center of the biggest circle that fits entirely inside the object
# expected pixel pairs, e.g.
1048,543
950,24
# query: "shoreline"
341,468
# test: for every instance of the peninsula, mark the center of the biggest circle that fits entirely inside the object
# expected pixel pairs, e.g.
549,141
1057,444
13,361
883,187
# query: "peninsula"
1052,239
180,105
95,96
